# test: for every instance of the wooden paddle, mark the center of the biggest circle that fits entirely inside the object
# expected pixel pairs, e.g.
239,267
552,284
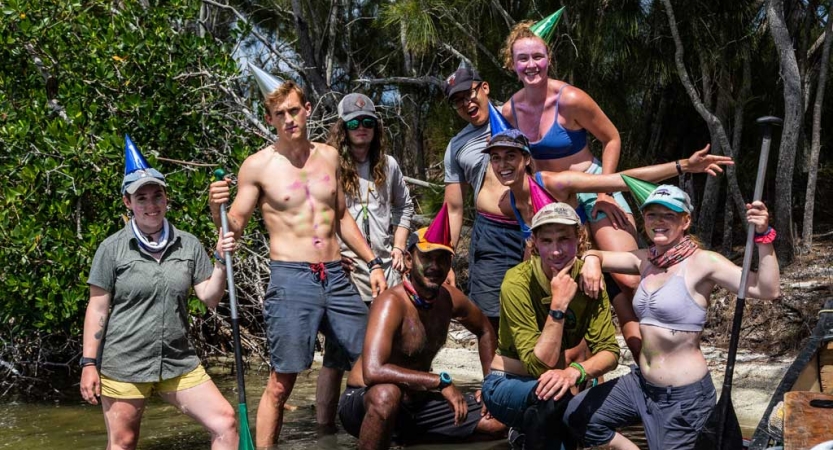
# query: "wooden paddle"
245,442
722,430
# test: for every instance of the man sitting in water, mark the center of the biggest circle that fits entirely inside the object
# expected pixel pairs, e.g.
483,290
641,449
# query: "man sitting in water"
391,391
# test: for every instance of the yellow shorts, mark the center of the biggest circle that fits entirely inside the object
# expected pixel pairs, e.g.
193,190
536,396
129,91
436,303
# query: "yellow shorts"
125,390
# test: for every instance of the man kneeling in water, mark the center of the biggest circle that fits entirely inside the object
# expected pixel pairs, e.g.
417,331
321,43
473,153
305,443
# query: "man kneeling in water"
391,392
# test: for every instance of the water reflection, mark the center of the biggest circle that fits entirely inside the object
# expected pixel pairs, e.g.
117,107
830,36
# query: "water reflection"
77,425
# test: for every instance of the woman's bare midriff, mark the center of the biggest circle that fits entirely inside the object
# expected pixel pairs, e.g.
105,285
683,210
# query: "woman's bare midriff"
579,162
671,357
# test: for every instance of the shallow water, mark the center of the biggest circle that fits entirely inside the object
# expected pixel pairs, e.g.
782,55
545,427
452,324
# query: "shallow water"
74,424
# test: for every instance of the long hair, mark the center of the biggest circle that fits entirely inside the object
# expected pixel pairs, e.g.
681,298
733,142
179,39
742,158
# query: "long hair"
376,156
520,31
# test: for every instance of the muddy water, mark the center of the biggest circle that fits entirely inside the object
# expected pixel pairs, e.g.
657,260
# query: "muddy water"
76,425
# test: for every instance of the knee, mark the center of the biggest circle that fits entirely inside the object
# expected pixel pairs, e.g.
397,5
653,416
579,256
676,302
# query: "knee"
383,400
124,440
277,392
223,425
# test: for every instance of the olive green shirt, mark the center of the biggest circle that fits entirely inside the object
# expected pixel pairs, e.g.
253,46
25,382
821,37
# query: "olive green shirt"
146,338
525,298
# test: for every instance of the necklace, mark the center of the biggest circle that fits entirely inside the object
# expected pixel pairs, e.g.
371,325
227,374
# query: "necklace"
415,298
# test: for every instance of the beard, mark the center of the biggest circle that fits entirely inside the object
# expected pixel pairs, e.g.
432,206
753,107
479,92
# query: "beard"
427,287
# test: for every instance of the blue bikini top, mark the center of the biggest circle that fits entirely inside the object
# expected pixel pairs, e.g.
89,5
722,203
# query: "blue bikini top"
525,229
558,142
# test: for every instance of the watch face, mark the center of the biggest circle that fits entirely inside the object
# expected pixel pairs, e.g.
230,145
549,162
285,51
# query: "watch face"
557,315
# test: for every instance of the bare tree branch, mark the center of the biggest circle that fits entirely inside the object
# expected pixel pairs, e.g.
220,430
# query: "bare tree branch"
50,81
411,81
506,17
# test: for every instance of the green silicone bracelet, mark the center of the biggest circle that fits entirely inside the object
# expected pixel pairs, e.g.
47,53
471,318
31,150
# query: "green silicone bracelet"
580,368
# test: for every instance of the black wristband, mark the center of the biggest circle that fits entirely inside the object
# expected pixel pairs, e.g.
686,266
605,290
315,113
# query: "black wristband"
679,167
377,261
218,258
84,362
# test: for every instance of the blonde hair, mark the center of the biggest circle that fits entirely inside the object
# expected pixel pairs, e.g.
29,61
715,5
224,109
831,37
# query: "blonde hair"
583,241
378,161
520,31
282,92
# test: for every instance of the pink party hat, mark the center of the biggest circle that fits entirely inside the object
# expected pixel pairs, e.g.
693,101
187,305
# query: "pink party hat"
439,232
539,196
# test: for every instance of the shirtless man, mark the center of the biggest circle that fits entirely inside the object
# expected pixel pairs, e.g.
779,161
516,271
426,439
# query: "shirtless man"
496,240
391,390
294,182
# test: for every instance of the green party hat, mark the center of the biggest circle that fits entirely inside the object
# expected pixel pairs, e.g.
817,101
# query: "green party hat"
545,28
639,189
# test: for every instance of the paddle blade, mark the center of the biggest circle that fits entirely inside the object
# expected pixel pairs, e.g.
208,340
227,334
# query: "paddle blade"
639,189
246,442
722,430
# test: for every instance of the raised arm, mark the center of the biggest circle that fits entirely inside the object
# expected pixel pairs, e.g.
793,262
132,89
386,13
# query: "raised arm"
248,193
619,262
470,316
764,284
563,184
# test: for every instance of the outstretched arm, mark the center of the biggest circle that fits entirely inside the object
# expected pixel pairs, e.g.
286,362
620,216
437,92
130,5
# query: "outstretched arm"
563,184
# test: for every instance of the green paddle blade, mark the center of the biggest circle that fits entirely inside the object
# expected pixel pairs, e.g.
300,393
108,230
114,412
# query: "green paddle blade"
545,28
245,442
639,188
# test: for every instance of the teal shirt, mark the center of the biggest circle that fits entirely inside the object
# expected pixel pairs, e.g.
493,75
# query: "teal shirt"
146,338
524,305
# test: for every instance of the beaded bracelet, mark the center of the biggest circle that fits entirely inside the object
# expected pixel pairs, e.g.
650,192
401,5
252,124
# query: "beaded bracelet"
580,368
766,237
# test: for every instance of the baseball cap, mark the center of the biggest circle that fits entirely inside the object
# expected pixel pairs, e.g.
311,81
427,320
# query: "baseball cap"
418,238
671,197
555,213
461,80
356,105
508,138
136,179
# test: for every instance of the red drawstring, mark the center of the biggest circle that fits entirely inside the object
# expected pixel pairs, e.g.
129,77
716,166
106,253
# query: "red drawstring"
319,270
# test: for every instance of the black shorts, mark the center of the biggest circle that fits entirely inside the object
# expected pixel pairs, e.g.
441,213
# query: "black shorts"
427,419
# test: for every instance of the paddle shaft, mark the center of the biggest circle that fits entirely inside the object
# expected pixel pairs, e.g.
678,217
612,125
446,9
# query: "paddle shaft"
235,321
747,260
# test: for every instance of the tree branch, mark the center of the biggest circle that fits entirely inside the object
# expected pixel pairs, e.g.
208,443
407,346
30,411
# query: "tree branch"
411,81
50,81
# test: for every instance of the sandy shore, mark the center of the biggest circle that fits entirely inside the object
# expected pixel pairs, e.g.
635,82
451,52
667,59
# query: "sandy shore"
756,375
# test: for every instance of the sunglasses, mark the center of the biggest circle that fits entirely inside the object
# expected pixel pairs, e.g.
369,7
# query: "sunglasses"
367,122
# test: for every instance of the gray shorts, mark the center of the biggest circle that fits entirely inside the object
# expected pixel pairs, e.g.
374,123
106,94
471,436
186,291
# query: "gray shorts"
672,416
304,297
495,248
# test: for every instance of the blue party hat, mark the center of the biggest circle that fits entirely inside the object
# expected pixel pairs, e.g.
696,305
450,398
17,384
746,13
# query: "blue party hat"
137,171
496,120
267,83
133,159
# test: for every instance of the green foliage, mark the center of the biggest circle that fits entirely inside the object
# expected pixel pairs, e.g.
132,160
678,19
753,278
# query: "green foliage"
111,72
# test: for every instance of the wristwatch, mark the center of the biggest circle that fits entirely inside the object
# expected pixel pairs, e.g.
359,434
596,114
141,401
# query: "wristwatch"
556,314
84,362
445,381
377,261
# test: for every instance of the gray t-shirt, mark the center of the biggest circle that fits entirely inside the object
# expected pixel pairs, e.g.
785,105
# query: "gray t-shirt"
146,338
388,207
464,160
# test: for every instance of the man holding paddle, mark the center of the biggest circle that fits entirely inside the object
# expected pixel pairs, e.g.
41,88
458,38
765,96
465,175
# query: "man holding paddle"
295,184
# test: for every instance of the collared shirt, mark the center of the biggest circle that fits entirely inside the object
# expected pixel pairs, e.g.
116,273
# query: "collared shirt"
389,207
464,159
525,298
146,338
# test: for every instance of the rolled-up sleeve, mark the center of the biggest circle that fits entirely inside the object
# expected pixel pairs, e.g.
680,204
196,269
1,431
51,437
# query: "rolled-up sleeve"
601,334
516,308
402,207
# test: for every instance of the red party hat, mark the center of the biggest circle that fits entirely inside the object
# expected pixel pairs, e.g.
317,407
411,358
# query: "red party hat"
539,196
439,232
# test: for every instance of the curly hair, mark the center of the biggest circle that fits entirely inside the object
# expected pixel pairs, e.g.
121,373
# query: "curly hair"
584,243
378,162
520,31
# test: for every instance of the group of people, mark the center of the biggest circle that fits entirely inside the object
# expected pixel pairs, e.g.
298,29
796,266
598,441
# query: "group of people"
345,262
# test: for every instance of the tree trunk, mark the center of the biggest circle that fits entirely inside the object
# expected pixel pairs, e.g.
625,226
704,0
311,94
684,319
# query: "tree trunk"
734,198
793,108
815,147
656,128
334,26
306,48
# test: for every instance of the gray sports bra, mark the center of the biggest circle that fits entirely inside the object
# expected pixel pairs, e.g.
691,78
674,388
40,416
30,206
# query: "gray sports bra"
670,306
